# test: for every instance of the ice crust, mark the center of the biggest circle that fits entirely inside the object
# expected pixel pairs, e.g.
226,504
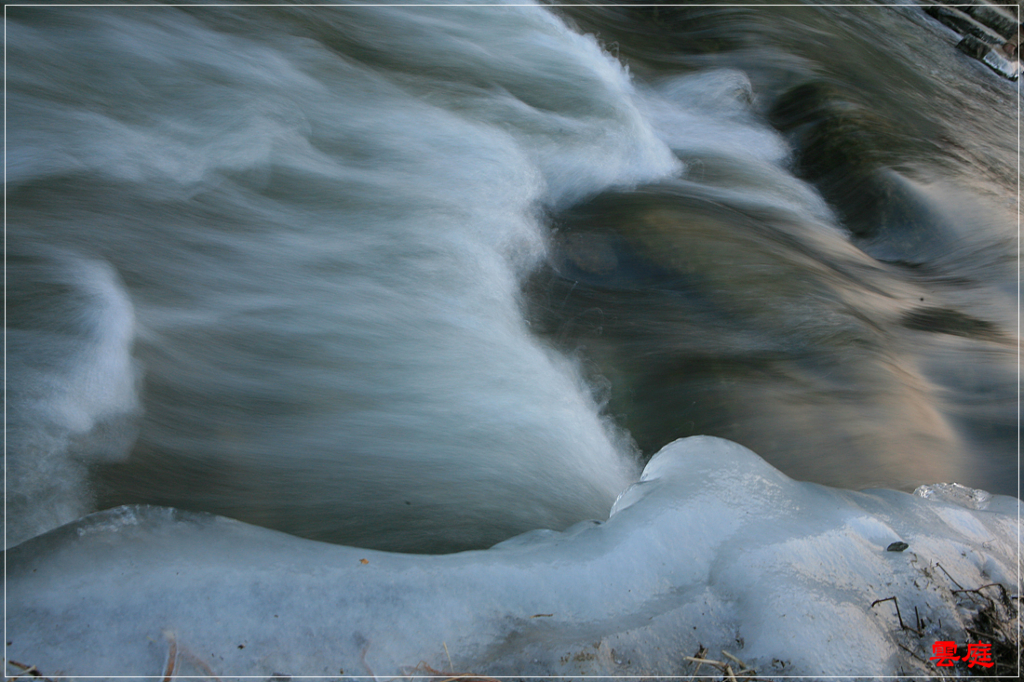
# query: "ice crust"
712,547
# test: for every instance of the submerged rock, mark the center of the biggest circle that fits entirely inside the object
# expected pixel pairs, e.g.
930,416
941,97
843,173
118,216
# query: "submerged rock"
983,52
962,23
995,18
983,28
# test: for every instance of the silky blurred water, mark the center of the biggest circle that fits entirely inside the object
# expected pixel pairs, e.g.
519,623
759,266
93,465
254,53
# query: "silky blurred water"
422,278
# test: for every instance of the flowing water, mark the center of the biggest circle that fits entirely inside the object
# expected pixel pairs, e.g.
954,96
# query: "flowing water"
422,278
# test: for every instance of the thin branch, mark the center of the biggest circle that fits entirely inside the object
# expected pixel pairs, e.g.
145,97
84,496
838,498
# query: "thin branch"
911,653
709,661
734,659
700,658
172,656
982,634
30,670
939,566
903,626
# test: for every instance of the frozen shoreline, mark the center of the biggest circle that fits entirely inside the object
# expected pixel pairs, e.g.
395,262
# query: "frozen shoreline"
143,590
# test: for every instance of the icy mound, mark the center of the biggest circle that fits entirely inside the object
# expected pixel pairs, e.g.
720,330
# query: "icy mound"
713,548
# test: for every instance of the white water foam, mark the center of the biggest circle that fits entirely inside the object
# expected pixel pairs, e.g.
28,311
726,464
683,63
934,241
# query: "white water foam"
323,226
73,396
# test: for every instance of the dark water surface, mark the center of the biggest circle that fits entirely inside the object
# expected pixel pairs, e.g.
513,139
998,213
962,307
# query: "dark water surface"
869,343
422,278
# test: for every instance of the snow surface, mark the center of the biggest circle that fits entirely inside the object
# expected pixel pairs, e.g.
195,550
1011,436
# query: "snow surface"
712,547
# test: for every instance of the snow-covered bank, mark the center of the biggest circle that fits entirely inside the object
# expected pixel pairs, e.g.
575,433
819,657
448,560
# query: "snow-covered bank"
713,548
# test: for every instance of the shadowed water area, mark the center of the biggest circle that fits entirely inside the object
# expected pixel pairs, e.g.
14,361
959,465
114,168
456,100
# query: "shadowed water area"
424,278
856,328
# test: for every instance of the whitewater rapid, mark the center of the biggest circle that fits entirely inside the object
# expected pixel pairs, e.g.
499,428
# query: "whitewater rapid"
423,278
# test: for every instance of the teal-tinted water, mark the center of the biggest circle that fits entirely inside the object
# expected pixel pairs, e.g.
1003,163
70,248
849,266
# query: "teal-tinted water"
869,342
422,278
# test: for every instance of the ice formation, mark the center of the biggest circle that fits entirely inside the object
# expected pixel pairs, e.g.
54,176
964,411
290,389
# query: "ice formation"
712,548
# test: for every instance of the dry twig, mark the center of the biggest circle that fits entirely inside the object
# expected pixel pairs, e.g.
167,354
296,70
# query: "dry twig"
172,656
899,616
29,670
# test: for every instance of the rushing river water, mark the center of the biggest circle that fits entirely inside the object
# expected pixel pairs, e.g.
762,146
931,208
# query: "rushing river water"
422,278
